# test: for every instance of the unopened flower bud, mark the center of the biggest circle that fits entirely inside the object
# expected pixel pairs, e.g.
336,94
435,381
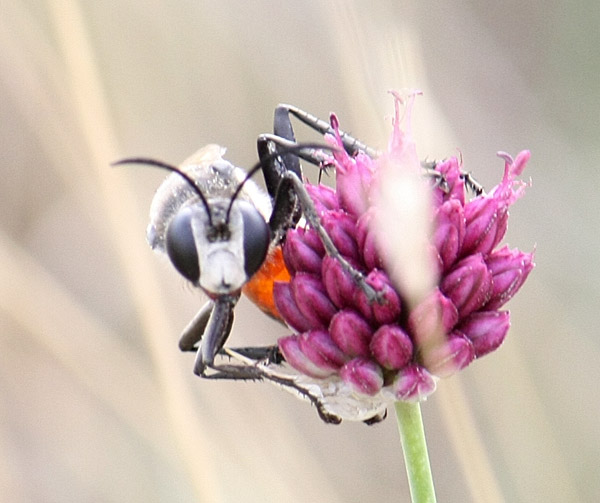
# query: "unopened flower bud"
413,383
288,309
323,197
364,375
449,357
449,232
468,285
341,228
366,237
299,255
391,346
339,284
387,311
312,299
432,319
290,348
320,349
509,270
351,333
486,330
486,221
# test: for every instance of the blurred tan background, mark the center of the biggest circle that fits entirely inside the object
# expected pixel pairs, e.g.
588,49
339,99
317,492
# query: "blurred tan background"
96,402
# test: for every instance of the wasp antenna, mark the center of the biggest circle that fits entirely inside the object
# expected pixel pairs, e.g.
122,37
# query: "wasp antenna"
283,149
173,169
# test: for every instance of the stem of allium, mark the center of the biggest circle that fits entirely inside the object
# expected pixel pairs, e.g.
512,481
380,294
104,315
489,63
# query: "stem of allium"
416,459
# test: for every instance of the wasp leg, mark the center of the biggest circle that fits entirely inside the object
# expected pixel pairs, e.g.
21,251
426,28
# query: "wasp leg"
192,333
283,129
266,354
217,331
289,194
282,124
473,184
255,373
291,182
376,419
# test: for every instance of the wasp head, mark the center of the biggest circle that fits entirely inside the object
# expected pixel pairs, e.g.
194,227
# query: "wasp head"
220,252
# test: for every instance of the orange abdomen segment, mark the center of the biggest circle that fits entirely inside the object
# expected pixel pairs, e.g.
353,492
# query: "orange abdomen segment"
260,288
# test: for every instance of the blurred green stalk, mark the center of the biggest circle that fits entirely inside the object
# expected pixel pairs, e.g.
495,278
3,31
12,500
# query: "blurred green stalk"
414,446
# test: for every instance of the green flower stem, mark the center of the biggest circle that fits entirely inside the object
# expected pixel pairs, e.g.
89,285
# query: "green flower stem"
416,459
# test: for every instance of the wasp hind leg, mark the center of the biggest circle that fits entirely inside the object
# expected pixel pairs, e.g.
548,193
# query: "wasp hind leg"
291,189
282,124
291,195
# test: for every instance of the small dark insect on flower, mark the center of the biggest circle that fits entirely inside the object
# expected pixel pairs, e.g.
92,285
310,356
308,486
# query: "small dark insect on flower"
363,336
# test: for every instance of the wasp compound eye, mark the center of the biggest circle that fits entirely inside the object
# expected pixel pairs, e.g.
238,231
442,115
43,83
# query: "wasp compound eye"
181,246
256,237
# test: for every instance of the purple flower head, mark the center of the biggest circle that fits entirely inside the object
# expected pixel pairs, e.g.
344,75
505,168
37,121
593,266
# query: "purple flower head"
397,347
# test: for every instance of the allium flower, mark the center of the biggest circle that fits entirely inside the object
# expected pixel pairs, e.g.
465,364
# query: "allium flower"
358,351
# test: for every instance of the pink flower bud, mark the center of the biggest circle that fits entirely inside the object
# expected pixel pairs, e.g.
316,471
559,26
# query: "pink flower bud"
413,383
351,333
320,349
339,284
299,255
386,312
468,285
449,232
312,239
353,175
487,216
341,228
290,348
323,197
391,346
449,357
432,319
363,375
287,307
486,330
312,299
366,238
486,221
509,270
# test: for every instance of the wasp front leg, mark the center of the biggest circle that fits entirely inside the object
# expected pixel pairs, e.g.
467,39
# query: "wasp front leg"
193,332
210,328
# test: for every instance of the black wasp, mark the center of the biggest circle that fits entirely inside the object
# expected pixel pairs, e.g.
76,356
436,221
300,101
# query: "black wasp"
219,228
